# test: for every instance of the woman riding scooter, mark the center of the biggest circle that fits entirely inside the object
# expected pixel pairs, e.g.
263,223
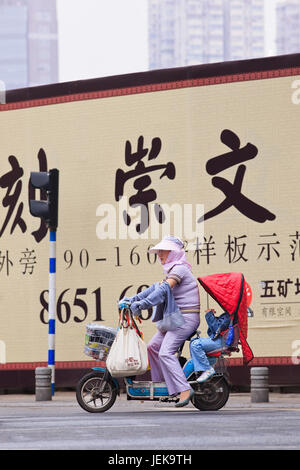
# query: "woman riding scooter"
182,285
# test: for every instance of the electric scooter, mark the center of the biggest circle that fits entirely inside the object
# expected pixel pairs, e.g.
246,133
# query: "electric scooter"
97,391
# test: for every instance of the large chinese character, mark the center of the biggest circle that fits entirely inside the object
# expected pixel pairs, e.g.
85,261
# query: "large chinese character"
11,181
235,250
297,284
5,261
266,247
233,191
142,180
208,249
295,246
28,260
282,287
268,287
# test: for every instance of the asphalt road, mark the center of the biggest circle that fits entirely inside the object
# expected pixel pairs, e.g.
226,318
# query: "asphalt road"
61,424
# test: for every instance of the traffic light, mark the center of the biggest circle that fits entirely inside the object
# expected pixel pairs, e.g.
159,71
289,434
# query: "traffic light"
47,210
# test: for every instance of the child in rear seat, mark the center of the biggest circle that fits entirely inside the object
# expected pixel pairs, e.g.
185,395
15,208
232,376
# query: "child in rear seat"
200,346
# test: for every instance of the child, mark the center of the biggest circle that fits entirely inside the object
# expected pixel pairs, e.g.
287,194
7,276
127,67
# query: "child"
200,346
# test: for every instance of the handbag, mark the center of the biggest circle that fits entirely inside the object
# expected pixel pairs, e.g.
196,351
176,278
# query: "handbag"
170,321
168,314
128,354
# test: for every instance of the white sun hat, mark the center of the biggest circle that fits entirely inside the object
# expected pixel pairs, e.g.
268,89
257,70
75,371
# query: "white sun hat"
168,243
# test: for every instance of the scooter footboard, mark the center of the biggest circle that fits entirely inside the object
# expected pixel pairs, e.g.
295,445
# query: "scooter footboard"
146,390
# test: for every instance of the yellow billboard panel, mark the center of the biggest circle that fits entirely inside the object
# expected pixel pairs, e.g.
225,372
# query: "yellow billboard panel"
212,160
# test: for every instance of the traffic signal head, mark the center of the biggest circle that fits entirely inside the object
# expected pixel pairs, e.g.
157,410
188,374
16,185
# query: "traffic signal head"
47,210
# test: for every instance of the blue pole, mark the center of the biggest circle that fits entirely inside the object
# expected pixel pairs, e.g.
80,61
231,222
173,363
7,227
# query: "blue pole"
52,308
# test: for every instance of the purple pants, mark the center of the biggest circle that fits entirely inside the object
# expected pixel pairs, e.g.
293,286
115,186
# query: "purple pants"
165,366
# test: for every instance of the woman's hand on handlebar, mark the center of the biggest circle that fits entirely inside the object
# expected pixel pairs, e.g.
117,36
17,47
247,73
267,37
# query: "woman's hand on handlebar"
134,306
124,303
135,309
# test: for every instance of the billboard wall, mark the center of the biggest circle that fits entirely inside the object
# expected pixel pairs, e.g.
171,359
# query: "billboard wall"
213,159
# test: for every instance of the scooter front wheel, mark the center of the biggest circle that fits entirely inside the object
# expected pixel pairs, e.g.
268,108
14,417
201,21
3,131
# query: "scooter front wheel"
94,393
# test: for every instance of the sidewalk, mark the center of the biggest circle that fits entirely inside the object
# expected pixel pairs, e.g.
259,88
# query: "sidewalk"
236,401
276,400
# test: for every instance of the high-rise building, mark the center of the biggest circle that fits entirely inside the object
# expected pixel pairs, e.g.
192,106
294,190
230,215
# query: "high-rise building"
288,27
244,36
28,43
186,32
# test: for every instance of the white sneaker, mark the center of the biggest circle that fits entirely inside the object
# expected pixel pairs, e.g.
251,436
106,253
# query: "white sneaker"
206,375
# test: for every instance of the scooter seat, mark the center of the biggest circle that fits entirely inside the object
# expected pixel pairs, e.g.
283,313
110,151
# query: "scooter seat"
214,354
218,352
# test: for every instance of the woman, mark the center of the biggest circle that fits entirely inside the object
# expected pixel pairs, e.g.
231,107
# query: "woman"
163,346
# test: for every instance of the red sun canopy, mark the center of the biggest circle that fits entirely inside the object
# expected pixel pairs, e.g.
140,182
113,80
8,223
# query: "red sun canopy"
229,290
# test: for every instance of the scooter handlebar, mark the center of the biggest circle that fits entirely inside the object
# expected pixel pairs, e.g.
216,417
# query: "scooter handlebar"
124,304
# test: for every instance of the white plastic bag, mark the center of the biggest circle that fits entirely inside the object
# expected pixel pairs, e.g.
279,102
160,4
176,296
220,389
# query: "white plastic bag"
128,354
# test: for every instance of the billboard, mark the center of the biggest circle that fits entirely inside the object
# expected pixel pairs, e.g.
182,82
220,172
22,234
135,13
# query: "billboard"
207,153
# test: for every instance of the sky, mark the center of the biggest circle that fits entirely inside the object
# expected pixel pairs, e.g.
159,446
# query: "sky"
100,38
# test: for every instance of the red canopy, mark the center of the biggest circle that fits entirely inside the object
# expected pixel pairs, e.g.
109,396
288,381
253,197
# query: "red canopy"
229,290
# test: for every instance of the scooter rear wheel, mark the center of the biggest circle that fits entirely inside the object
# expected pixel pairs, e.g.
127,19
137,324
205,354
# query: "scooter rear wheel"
90,396
212,395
